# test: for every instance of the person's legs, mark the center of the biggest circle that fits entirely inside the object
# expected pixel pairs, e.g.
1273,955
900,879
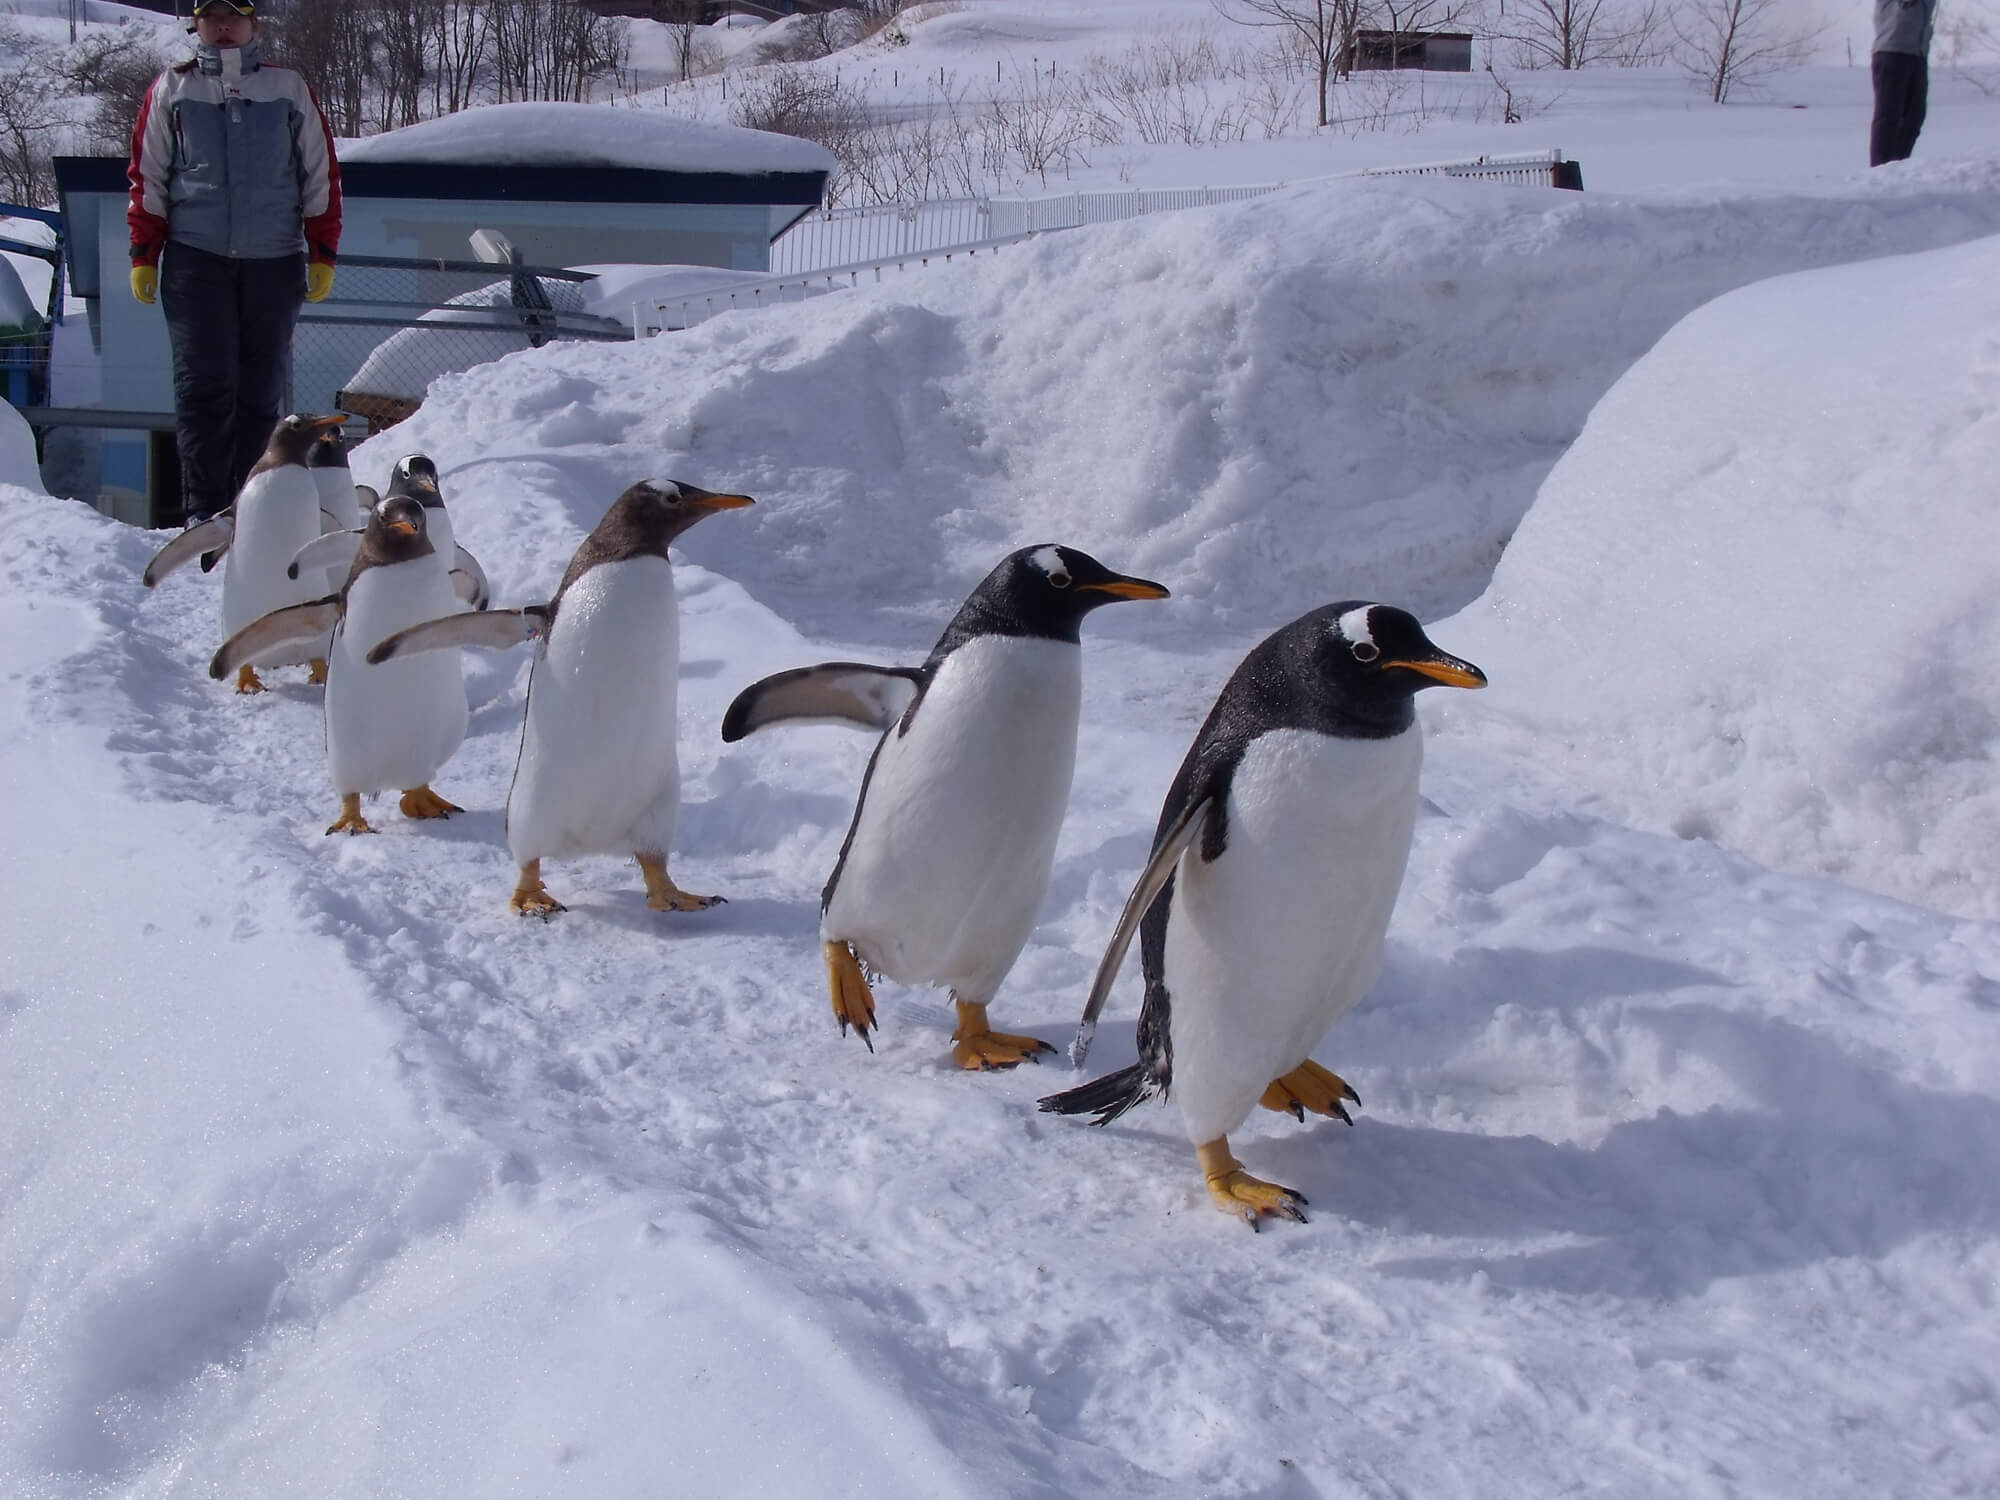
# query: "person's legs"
1901,89
270,293
198,297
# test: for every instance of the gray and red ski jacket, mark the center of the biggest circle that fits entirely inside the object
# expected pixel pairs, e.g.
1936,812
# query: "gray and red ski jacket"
233,157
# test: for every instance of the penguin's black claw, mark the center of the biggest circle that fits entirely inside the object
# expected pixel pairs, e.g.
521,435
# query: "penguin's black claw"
847,987
1310,1087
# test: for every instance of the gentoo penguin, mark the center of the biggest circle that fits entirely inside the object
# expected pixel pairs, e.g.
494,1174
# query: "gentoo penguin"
275,513
338,496
414,476
599,769
954,831
390,726
1275,865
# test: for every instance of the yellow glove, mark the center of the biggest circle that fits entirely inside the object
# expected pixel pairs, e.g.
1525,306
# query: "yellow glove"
319,281
146,283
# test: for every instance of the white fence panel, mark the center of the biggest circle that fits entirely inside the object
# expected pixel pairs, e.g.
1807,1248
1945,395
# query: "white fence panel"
840,247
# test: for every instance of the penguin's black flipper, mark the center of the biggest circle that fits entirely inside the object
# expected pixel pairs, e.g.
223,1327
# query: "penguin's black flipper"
468,580
1167,851
330,549
494,629
263,639
1107,1097
211,536
834,692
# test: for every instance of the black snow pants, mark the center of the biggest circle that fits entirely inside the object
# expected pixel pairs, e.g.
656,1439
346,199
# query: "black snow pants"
230,322
1902,88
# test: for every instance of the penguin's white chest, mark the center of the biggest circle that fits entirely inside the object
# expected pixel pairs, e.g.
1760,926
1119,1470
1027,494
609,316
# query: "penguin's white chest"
392,726
1281,935
599,771
276,513
338,497
951,847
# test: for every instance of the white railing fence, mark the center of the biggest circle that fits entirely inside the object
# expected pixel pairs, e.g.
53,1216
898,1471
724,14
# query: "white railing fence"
830,249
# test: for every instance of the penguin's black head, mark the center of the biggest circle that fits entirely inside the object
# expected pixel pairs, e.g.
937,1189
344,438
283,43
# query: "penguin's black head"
397,530
294,438
655,511
1047,590
417,478
329,451
1376,652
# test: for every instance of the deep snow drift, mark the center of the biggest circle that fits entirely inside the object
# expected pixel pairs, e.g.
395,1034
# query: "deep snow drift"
1347,389
1766,569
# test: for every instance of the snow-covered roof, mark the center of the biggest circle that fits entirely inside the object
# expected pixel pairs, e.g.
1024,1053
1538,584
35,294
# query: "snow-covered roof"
553,134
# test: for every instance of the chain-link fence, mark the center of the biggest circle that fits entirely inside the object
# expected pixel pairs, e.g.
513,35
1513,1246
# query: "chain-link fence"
393,325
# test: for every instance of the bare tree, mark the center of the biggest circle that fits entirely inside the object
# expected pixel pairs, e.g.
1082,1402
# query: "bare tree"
552,49
322,40
401,57
29,121
682,19
1324,28
457,51
1569,34
115,69
1725,43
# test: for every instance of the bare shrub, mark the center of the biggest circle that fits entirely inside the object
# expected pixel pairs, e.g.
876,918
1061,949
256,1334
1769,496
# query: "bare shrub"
29,125
1733,43
1571,34
115,70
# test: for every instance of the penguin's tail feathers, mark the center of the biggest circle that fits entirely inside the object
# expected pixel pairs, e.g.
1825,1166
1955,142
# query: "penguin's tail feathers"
1107,1097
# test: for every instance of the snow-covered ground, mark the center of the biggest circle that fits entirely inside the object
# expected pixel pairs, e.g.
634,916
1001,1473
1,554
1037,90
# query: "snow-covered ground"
322,1174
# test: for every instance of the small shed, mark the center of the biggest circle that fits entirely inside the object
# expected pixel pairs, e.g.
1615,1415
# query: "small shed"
566,184
1425,51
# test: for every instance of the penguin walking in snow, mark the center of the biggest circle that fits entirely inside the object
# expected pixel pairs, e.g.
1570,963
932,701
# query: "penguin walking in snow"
388,727
1263,906
416,478
339,497
599,770
954,832
275,513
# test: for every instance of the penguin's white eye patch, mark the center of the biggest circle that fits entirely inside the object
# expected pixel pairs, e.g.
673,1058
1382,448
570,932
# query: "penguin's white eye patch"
1049,560
1354,629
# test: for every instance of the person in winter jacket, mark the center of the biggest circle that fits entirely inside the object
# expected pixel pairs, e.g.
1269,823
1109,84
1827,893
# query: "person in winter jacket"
235,217
1901,69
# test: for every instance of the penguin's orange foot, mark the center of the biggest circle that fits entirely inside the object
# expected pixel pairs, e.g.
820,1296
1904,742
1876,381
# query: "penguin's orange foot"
661,892
422,802
316,675
1310,1087
1242,1196
977,1048
350,819
853,1001
531,898
247,680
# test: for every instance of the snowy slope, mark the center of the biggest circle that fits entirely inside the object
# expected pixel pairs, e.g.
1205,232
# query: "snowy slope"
1767,567
1347,388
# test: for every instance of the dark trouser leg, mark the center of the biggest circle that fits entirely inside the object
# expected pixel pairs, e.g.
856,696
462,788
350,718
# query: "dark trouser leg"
1902,91
269,294
198,296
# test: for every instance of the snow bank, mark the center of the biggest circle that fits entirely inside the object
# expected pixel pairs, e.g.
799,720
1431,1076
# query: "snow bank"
1754,602
448,339
555,134
1353,388
19,466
